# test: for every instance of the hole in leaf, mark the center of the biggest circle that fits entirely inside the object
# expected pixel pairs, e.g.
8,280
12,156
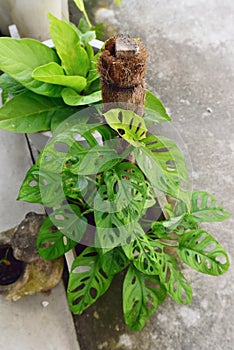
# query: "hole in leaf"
90,254
120,117
33,183
93,292
160,150
81,269
53,229
78,137
103,273
222,259
134,280
210,247
208,264
198,258
121,131
77,289
201,239
171,163
78,300
138,127
131,122
61,147
148,163
65,241
59,217
84,279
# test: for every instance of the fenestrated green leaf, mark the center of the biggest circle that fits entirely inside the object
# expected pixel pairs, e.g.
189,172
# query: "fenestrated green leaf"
30,190
75,60
172,278
129,125
42,186
116,262
203,253
142,295
205,208
142,253
88,280
72,98
28,112
163,164
11,85
154,109
53,73
69,220
19,58
52,243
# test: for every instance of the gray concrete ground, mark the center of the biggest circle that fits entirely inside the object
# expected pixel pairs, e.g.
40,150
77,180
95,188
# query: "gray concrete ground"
191,67
26,324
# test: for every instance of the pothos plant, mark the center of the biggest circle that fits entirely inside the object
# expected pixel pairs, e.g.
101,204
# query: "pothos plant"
100,177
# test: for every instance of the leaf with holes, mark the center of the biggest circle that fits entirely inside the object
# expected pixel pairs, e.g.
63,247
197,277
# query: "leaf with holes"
88,280
142,253
164,166
69,221
126,189
203,253
51,242
154,110
172,278
128,125
205,208
141,297
30,190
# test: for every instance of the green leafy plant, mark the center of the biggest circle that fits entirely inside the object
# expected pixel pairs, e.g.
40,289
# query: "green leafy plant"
47,84
101,175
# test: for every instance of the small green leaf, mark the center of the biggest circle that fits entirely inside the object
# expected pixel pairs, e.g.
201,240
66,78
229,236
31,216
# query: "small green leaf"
29,112
203,253
75,60
88,280
142,295
19,58
72,98
80,5
154,109
205,208
53,73
30,190
52,243
118,2
129,125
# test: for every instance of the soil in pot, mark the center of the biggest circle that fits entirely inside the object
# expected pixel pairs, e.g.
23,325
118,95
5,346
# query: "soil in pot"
10,268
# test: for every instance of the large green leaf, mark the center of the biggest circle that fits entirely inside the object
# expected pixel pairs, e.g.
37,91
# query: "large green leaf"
72,98
28,112
154,109
88,280
19,58
163,164
75,60
202,252
142,295
53,73
205,208
129,125
52,243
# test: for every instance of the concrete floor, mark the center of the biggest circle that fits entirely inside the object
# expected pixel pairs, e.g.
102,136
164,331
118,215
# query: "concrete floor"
26,324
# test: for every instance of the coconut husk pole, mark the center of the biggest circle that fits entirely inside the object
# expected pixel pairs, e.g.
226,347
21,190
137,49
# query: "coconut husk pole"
122,67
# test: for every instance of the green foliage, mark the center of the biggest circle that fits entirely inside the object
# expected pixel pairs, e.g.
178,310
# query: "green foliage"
45,82
142,294
102,175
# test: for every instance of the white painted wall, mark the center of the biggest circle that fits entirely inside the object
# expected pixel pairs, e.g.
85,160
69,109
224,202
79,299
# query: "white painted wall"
30,16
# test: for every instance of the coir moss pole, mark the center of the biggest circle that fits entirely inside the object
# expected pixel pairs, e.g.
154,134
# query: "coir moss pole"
122,67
